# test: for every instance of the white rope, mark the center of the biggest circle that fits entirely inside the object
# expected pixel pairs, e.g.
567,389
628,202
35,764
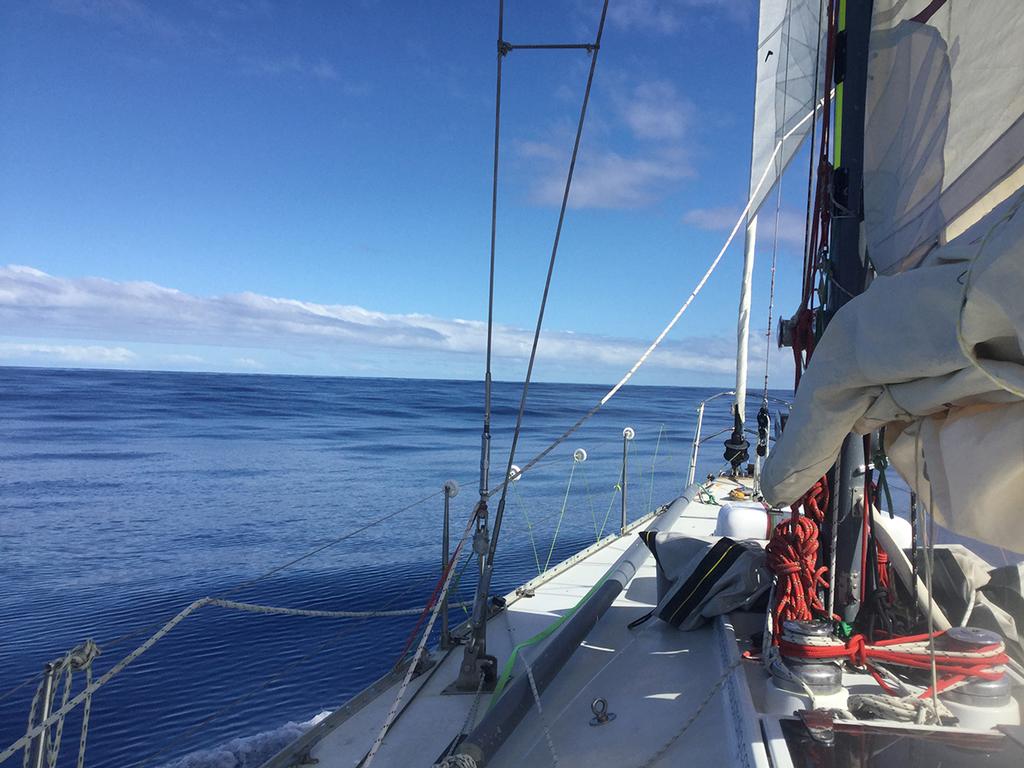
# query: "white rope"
268,609
61,673
457,761
908,709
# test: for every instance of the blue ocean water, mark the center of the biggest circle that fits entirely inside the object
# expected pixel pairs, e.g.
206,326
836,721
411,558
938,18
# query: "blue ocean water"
124,496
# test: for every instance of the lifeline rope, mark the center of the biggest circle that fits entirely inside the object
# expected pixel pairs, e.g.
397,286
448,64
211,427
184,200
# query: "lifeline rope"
57,718
561,515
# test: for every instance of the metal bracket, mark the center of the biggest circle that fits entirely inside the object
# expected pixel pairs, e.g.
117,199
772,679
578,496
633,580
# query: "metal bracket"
819,724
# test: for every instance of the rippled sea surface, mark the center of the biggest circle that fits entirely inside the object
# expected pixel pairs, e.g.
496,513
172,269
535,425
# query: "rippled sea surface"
124,496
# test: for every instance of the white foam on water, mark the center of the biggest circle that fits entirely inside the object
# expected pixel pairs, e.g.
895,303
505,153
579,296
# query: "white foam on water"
246,751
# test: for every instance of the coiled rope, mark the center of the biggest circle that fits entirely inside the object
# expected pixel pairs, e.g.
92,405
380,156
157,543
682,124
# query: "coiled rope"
792,555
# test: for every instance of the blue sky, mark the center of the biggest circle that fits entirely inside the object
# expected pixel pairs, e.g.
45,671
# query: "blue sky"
304,187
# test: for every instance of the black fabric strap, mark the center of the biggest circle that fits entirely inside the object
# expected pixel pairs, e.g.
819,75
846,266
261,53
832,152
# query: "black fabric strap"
698,586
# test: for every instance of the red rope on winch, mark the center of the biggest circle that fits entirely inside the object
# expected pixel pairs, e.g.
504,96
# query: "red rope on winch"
792,555
956,666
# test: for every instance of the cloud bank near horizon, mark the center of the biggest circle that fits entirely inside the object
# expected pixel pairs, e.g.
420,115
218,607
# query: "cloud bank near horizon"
37,305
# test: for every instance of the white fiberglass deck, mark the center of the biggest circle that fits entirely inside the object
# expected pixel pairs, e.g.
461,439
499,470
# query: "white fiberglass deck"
653,677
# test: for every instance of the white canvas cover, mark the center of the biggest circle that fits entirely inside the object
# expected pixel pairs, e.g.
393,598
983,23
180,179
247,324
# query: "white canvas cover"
935,355
944,128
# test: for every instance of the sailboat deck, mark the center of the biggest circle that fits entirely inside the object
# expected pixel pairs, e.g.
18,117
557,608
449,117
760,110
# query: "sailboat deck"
654,678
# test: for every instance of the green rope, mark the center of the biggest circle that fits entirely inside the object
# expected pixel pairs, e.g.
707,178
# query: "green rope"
558,525
529,527
657,446
704,496
506,671
455,583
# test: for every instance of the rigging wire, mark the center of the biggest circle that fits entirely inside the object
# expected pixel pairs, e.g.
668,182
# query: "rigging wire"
778,201
485,439
547,284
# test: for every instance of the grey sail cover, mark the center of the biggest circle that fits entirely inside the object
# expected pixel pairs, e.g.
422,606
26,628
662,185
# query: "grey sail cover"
934,349
936,356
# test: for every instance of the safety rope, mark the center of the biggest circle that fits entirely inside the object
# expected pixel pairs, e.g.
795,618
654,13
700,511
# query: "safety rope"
529,527
654,461
85,697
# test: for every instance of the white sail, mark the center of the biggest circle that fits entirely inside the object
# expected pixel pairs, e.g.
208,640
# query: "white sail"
788,54
945,122
789,48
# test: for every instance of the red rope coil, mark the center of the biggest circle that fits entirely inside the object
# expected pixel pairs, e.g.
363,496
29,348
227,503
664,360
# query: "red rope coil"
792,555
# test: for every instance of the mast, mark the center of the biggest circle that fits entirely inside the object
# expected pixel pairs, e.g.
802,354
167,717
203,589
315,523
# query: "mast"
848,264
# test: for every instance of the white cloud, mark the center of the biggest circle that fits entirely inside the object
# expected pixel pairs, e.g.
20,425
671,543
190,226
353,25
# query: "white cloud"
610,180
129,16
654,110
91,355
653,116
666,17
34,304
321,69
791,224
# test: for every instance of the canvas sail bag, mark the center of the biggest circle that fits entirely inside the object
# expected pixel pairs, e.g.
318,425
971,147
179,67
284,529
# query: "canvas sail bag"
703,577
